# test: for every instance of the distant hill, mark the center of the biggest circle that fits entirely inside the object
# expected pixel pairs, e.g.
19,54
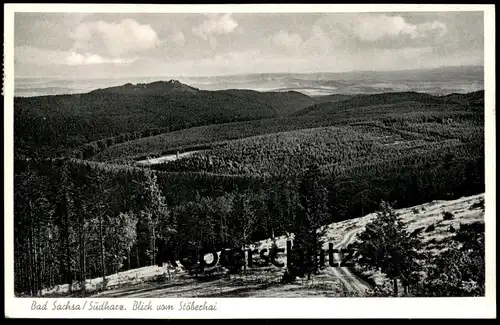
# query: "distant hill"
396,100
52,124
332,98
158,88
475,98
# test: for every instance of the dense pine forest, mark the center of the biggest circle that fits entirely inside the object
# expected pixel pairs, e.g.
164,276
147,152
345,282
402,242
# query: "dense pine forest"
53,125
84,210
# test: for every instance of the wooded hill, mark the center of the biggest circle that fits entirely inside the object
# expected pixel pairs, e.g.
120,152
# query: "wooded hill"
50,125
398,101
422,111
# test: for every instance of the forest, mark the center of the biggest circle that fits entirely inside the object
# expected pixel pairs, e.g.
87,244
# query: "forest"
86,215
465,107
51,126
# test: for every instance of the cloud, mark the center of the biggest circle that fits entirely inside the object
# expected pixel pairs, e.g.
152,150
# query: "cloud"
178,38
35,56
215,25
372,28
74,58
375,27
287,41
434,28
116,40
343,30
226,43
349,34
322,41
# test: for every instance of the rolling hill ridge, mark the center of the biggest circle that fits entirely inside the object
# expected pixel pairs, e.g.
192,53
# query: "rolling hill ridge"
157,88
49,125
403,100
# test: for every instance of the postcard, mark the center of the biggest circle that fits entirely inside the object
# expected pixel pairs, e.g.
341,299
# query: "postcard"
249,161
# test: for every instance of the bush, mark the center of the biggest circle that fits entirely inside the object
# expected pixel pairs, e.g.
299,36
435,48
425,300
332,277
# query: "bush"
417,231
430,228
478,205
415,211
273,251
432,241
287,278
447,215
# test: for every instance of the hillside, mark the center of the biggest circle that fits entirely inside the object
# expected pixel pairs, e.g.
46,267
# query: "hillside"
152,281
400,101
412,112
50,125
158,88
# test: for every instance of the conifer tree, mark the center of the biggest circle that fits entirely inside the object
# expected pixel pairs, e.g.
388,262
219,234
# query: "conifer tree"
388,246
311,213
155,210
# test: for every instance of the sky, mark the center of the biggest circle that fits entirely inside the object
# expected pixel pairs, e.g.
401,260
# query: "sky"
159,44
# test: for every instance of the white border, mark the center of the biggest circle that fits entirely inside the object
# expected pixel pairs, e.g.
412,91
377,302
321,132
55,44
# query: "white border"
484,307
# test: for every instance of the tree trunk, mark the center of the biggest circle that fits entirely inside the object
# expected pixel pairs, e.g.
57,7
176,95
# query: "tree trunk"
82,254
362,205
17,272
40,270
396,287
244,253
153,239
101,240
245,259
31,263
68,273
406,290
137,255
314,256
129,259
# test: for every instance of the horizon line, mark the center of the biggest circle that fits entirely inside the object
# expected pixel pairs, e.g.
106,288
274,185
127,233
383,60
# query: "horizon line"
252,73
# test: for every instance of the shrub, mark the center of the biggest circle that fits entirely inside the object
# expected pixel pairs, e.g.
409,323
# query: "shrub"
415,211
430,228
417,231
447,215
478,205
287,278
274,249
432,241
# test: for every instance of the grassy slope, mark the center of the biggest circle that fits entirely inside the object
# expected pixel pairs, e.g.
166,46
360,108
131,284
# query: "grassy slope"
264,281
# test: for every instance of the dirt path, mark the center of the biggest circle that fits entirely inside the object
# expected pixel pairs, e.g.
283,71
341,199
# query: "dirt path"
172,157
351,282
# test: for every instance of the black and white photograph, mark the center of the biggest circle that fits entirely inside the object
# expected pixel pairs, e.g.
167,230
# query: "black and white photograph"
248,154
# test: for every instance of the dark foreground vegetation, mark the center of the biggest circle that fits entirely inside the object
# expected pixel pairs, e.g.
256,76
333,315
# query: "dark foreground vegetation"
77,219
387,245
